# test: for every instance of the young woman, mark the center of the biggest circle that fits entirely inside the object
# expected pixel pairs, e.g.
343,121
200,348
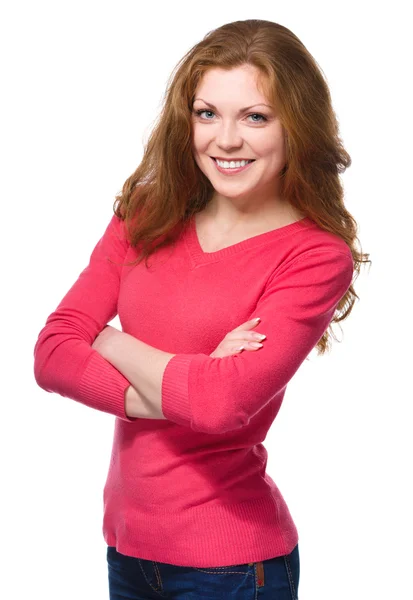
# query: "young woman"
237,208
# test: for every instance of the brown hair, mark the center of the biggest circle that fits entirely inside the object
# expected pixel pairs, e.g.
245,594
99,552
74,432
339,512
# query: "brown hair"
168,187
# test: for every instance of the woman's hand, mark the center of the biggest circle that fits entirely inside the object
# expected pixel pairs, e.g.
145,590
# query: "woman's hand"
239,339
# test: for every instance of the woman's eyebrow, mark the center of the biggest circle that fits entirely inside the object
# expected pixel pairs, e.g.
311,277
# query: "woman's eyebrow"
241,110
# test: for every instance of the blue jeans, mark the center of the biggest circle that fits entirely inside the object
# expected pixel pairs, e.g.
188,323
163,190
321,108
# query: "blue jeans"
140,579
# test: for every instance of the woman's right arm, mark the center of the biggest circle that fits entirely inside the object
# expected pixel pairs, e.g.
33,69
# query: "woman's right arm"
64,361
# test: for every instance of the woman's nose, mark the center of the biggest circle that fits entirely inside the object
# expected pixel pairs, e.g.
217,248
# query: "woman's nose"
228,136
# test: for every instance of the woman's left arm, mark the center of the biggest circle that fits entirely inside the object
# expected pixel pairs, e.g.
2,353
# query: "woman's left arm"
141,364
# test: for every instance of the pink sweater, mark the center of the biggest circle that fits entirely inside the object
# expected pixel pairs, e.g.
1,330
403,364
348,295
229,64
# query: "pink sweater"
192,490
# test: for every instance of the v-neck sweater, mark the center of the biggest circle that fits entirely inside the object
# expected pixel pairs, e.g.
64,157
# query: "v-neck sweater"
192,490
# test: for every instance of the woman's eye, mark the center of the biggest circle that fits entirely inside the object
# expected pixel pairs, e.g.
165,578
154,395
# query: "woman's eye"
199,112
204,110
258,115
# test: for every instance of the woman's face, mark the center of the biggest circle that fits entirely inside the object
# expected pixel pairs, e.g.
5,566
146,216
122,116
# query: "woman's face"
233,132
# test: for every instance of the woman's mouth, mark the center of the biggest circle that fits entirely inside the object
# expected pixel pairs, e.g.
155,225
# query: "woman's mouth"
231,170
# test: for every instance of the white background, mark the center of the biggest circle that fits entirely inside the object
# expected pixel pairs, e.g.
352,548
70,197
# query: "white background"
82,83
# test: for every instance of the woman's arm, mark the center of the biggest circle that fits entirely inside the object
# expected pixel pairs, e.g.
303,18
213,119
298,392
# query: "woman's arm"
137,408
141,364
64,362
216,396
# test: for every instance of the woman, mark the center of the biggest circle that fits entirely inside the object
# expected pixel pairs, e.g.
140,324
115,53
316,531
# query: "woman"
239,206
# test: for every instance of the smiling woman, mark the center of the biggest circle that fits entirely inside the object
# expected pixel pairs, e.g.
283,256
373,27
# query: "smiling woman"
239,204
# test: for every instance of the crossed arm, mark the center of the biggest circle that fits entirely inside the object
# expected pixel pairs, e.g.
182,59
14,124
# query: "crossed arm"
141,364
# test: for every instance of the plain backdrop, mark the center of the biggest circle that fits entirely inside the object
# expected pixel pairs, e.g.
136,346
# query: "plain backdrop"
82,84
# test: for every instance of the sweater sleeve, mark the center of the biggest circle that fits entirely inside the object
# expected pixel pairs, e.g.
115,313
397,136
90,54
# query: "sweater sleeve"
216,395
64,361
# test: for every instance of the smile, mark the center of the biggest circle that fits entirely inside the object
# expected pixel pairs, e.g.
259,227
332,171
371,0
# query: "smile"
229,170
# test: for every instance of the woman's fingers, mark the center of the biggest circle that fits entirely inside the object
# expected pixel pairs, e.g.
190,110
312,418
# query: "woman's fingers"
247,325
247,336
239,339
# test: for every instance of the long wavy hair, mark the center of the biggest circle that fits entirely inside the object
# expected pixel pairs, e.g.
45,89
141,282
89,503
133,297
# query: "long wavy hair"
168,188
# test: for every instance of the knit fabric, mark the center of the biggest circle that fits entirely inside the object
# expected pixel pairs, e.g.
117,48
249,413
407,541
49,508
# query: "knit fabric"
192,490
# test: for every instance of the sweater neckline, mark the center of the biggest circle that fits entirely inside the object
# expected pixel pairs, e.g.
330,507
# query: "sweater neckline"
201,257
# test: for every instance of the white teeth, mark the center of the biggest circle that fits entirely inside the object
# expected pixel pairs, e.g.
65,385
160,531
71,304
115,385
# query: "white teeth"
232,164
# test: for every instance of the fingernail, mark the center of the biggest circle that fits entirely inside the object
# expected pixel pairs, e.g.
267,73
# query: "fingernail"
257,319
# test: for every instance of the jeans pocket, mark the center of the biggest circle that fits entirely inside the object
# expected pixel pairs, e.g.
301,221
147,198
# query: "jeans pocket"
233,581
234,569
